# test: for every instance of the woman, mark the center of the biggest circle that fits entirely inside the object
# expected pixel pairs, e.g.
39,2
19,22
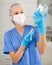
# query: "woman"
24,47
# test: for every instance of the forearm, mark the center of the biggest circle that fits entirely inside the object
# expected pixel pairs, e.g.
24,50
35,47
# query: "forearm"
42,44
18,55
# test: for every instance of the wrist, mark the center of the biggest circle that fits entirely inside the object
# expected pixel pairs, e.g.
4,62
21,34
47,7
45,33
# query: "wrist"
24,44
42,30
22,48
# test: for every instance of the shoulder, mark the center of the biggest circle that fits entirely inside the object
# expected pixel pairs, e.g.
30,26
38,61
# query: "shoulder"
7,33
36,30
34,27
29,26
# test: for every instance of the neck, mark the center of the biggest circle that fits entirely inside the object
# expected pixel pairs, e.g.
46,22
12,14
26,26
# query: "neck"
19,27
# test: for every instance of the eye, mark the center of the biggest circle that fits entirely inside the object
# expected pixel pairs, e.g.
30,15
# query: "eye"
16,13
21,12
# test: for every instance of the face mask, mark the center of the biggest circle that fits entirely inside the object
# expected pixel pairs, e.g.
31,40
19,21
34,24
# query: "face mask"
19,18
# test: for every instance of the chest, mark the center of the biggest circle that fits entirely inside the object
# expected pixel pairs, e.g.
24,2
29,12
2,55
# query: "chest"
16,39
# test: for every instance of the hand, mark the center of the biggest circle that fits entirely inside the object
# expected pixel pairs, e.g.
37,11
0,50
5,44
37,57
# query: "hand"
27,39
39,19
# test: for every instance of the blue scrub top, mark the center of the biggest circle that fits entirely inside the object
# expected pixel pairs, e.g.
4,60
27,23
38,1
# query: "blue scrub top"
12,42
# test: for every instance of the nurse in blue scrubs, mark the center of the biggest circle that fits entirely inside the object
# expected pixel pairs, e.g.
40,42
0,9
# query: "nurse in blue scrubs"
23,46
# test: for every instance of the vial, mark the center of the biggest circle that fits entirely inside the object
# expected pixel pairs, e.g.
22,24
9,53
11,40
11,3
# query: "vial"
43,8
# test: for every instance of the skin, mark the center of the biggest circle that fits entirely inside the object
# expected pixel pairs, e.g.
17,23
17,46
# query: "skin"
16,56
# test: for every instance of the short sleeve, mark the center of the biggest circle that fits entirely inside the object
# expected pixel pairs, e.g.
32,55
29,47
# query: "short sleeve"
36,34
7,44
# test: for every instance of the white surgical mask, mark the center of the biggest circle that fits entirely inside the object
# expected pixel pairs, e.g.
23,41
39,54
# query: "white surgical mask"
19,19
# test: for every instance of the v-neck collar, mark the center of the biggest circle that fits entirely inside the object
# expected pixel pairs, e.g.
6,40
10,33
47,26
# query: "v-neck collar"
19,33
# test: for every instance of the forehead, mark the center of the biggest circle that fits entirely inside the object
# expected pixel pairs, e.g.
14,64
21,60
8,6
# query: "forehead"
17,8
